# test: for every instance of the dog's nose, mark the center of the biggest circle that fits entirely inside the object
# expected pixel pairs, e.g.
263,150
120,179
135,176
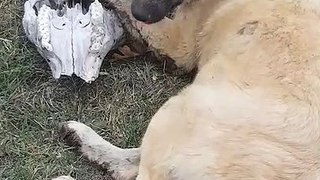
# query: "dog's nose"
148,12
138,13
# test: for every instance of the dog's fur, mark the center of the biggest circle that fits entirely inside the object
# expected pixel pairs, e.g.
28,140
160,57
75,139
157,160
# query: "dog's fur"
253,109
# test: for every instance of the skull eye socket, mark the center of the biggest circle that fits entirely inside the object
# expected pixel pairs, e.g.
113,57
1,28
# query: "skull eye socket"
35,10
83,22
59,23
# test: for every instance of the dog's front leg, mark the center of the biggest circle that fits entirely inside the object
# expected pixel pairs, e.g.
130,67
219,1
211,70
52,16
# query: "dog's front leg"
122,163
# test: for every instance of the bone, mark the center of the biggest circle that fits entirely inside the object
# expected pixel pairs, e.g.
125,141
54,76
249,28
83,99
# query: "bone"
63,178
72,38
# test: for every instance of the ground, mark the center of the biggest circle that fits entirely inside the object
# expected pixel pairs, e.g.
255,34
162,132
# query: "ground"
118,105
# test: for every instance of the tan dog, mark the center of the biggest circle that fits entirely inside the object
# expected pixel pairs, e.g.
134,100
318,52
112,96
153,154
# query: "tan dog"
253,109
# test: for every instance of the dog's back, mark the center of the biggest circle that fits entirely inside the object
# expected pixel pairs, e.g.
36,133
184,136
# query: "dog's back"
252,111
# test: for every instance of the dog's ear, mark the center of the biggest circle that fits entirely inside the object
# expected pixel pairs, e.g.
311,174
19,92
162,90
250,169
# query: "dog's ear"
151,11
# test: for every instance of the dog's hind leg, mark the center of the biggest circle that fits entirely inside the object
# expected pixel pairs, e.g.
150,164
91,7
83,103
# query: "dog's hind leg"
123,163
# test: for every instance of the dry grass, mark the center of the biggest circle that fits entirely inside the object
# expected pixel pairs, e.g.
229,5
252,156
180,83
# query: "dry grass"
118,105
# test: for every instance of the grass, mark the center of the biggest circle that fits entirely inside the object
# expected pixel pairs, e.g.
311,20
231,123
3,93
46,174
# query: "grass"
118,105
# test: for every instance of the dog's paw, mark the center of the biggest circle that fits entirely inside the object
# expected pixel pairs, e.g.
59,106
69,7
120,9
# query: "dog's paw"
71,132
121,164
86,141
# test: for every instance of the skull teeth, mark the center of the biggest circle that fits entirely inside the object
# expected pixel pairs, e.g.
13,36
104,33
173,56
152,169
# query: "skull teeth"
44,27
98,31
97,12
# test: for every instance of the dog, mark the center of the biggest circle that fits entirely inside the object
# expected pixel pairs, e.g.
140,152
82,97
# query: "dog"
253,109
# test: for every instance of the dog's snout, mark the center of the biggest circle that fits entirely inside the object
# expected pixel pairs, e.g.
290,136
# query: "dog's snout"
148,12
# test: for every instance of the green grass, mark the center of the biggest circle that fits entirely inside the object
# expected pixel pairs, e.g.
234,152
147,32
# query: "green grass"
118,105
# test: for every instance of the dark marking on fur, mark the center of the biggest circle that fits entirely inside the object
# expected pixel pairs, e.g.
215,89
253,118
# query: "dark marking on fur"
248,28
69,136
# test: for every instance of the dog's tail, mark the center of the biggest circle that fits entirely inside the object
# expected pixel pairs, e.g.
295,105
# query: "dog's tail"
122,163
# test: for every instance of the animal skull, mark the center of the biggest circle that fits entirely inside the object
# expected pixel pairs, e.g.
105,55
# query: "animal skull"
73,37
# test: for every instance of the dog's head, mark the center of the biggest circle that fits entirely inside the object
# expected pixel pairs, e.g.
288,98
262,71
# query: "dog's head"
152,11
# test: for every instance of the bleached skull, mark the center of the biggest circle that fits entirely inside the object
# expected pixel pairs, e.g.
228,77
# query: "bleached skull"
73,37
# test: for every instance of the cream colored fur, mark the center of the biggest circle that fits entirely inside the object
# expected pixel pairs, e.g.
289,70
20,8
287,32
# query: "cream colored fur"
253,109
